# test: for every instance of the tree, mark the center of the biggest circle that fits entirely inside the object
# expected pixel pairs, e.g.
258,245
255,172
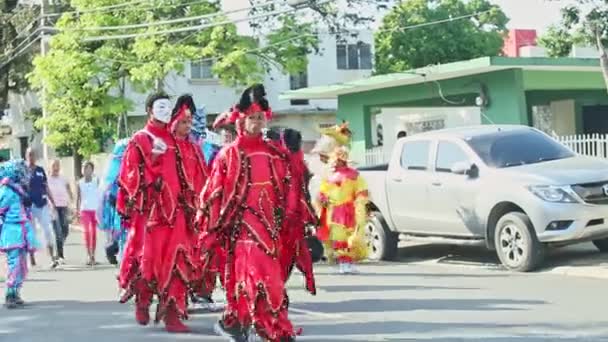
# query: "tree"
14,19
477,30
82,79
585,22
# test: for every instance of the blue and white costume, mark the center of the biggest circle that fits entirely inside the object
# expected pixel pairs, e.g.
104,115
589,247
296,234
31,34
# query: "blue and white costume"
17,236
110,219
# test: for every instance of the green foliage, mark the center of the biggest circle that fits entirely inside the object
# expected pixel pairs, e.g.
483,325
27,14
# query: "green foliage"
579,24
398,49
81,83
14,19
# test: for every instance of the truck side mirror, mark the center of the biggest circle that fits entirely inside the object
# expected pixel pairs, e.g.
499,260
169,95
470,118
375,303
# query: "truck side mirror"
465,168
460,168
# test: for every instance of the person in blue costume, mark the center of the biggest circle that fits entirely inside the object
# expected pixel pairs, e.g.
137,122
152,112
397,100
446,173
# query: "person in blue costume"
110,219
17,236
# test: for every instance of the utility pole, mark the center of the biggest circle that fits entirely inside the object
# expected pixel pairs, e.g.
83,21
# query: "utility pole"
43,50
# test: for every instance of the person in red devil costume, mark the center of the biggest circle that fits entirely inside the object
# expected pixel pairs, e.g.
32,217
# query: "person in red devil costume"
139,171
169,208
249,199
295,249
194,171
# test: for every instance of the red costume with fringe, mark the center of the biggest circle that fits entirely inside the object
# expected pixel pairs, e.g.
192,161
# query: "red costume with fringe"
249,201
138,172
294,248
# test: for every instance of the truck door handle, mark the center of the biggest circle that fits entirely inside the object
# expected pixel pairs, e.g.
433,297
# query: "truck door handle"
436,183
398,180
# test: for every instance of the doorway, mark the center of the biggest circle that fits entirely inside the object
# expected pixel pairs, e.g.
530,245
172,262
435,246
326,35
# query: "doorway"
595,119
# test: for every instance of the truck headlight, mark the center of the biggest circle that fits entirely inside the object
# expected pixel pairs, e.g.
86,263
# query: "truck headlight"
554,194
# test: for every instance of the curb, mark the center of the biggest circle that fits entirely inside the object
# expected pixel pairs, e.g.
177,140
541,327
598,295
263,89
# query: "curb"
595,272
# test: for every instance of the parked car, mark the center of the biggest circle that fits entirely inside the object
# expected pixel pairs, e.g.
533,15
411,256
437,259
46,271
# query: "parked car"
512,188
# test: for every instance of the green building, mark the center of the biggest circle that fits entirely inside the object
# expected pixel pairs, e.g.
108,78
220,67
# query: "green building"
562,96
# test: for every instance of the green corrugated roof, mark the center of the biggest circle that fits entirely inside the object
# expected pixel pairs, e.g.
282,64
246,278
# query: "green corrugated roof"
442,71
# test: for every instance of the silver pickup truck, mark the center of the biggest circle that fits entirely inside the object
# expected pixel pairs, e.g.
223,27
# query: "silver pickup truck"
512,188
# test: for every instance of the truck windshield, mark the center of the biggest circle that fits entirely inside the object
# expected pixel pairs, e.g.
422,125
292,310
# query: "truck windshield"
515,148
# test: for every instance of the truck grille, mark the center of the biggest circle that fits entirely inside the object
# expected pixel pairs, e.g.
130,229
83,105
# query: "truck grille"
593,193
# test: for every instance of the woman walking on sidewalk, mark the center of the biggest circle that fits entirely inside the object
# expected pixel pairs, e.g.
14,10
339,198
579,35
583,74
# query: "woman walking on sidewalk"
87,201
62,194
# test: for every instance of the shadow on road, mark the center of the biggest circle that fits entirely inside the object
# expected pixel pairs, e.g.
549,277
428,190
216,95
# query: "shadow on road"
577,255
372,305
382,288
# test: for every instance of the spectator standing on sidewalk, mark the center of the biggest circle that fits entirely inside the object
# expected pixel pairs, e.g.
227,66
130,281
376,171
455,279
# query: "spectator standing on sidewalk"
41,196
87,201
62,195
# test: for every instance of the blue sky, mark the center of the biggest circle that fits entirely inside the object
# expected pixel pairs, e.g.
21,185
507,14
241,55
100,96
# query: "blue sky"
524,14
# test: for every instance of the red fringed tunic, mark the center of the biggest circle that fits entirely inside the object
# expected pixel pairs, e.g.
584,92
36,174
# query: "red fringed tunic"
137,174
245,206
295,250
195,174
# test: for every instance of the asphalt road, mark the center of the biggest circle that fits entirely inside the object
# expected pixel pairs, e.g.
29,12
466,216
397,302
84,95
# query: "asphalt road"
420,298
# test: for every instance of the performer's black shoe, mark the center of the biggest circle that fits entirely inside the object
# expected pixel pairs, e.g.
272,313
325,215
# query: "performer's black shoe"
10,302
234,334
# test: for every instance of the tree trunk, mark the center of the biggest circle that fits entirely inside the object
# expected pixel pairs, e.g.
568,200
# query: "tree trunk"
77,165
603,57
123,124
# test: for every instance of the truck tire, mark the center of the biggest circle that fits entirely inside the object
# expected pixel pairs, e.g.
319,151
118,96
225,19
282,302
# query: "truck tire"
381,241
601,245
516,243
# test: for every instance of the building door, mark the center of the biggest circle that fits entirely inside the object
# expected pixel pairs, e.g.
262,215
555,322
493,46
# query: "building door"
595,119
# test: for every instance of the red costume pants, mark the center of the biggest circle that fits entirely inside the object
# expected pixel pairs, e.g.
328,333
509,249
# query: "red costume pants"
167,265
256,292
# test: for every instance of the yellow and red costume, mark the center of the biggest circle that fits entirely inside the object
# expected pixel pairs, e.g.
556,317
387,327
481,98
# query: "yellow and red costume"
342,201
248,202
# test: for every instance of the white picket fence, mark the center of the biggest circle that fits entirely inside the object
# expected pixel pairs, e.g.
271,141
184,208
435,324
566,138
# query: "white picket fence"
376,156
593,145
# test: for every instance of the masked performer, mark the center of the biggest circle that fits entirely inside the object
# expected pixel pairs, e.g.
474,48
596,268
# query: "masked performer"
297,244
245,205
194,172
343,199
138,180
110,219
17,236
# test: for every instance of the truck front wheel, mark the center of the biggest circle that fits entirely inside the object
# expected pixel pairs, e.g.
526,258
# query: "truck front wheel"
381,241
516,244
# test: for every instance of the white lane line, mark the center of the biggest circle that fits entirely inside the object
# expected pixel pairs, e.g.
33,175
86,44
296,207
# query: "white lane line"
315,313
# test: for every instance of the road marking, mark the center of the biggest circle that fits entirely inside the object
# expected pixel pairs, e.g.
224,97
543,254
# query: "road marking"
316,313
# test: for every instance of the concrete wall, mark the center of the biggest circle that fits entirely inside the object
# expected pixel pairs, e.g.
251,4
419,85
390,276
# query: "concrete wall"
405,119
506,93
322,70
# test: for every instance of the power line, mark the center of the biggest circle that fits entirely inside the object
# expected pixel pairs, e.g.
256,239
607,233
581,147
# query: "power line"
97,9
19,53
174,21
194,28
287,40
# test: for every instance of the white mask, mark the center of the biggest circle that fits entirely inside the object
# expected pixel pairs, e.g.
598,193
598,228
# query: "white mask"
161,110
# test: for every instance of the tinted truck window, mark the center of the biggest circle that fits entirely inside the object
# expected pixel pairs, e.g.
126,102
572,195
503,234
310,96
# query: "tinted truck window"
415,155
514,148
